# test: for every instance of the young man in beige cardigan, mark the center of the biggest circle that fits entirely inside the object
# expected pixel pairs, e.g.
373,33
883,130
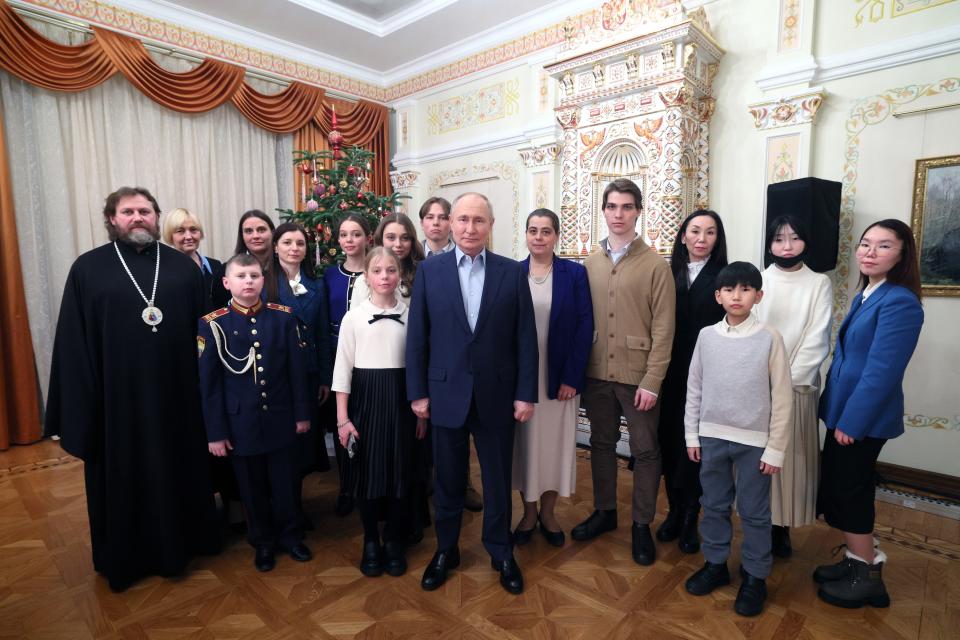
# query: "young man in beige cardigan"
634,304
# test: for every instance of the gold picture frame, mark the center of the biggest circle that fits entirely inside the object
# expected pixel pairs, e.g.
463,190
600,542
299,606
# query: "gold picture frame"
936,224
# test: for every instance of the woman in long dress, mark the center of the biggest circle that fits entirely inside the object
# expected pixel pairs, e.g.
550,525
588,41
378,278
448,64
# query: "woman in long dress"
797,302
544,451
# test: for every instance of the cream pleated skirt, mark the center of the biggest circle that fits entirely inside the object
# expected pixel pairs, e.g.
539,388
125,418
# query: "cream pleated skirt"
793,491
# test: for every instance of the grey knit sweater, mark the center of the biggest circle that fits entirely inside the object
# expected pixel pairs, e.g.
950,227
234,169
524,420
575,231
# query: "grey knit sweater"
739,388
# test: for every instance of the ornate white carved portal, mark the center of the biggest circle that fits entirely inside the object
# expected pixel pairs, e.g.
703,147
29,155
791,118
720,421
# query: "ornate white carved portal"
638,109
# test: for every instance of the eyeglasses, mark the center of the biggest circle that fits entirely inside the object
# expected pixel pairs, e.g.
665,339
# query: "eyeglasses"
880,249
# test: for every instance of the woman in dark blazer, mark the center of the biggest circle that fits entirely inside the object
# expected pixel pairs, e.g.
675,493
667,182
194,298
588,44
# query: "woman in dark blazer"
183,231
862,406
544,453
298,288
699,253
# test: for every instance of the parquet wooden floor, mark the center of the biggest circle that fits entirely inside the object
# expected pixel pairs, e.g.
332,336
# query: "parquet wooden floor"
48,589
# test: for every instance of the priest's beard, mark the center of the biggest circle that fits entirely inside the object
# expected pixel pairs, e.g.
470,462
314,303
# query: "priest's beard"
137,237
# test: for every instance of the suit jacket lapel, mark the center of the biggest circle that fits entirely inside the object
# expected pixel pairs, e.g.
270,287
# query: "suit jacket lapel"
492,277
558,290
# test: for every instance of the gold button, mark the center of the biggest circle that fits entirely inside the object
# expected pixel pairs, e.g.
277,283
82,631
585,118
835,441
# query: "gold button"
253,331
260,369
263,383
260,355
253,320
264,407
256,344
263,394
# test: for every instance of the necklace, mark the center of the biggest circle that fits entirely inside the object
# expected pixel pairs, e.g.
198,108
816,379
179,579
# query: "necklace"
542,279
151,315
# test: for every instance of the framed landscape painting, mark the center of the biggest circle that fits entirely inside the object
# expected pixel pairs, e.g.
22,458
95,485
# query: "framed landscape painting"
936,224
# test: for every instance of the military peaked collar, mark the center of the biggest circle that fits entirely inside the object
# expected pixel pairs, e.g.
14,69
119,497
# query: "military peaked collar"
246,311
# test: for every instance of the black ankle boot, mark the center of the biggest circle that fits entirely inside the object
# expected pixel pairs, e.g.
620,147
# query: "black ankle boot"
669,529
862,586
780,542
689,540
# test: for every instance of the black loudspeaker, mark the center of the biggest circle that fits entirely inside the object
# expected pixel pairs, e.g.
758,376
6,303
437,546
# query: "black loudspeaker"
816,203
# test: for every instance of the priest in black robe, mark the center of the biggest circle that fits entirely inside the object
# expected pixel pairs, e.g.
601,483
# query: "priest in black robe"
124,397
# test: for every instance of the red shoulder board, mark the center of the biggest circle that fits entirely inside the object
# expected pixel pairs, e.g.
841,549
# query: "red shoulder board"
279,307
213,315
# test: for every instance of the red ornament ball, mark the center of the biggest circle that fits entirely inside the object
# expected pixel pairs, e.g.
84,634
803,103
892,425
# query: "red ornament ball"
351,170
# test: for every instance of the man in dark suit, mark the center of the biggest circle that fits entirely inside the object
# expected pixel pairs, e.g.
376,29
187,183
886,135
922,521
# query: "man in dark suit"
472,369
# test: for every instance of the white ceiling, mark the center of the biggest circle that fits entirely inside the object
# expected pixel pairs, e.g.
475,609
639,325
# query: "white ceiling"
377,41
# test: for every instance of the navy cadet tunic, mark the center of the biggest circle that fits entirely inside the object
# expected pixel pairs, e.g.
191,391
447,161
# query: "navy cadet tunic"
258,409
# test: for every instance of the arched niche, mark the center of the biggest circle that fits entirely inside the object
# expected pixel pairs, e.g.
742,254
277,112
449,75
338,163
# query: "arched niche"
621,158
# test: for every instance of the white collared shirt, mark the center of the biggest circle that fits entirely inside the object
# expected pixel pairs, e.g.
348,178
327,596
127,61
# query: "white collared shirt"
870,288
694,269
428,252
743,330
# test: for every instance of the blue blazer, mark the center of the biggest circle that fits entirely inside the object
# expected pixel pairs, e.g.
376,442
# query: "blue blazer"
313,323
864,391
493,365
570,336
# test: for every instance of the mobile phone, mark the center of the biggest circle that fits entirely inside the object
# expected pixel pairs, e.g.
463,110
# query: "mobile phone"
351,446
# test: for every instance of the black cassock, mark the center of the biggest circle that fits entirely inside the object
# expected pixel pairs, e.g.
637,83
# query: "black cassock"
126,401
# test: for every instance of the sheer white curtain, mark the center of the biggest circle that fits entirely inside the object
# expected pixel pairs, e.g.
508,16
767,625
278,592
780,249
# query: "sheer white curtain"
67,152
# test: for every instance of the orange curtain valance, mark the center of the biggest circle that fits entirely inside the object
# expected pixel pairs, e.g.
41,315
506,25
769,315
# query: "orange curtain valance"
44,63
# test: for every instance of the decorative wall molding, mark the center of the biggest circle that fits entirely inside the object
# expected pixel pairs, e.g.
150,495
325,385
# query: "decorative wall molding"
874,11
906,50
932,422
473,108
403,180
542,155
789,37
799,108
510,138
867,112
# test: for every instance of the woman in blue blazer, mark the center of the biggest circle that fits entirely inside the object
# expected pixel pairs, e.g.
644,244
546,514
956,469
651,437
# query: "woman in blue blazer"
544,452
305,294
862,406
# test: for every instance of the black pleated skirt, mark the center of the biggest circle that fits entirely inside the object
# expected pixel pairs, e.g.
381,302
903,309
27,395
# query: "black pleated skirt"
382,416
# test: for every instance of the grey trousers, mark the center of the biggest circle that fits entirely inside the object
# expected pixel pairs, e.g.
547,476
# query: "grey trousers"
604,403
728,471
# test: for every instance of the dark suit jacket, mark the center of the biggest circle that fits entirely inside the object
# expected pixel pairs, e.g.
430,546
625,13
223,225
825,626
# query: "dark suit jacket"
495,364
258,415
864,391
313,324
570,336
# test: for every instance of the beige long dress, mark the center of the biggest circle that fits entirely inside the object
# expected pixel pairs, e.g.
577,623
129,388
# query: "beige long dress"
545,448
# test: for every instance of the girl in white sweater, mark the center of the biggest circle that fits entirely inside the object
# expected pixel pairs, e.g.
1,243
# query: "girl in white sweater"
797,303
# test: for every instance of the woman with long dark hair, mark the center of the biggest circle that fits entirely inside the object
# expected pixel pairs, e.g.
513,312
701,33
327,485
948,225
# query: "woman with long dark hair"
699,253
298,288
255,236
862,407
396,232
797,302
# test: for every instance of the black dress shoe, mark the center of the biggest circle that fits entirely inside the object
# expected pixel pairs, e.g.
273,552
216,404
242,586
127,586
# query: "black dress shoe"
689,540
344,505
752,595
708,578
510,577
669,529
300,552
555,538
436,572
371,564
644,551
264,560
395,558
522,536
598,522
780,539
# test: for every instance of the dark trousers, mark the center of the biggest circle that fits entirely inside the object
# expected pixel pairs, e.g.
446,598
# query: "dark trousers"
268,487
451,454
604,403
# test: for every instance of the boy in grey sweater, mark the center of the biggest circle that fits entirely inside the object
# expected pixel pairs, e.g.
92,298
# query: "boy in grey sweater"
737,423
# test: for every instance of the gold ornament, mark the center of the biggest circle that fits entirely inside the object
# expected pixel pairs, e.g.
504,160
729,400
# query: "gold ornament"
343,184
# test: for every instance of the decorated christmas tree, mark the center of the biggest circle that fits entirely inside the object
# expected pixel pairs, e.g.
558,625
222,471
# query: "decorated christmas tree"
334,184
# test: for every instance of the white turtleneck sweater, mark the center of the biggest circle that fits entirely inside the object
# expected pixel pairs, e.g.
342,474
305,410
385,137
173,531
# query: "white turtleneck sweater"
798,304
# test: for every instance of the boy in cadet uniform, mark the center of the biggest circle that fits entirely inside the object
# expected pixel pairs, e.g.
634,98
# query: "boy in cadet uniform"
253,386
